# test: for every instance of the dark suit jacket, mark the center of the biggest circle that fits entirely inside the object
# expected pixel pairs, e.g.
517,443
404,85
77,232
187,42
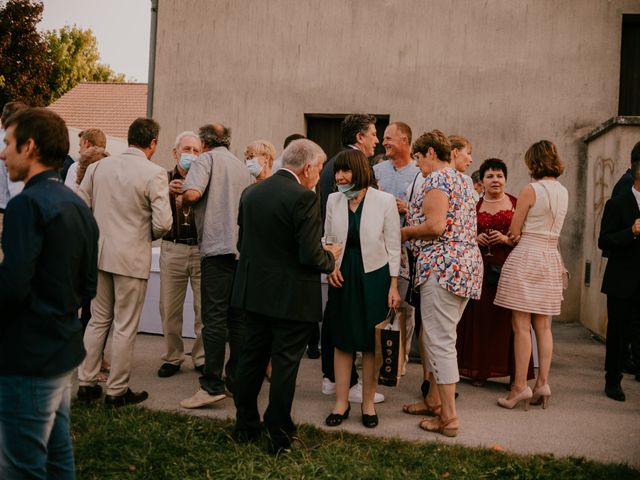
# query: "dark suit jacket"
621,278
281,257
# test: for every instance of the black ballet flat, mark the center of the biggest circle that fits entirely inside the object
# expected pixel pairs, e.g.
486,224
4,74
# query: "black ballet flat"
370,421
335,419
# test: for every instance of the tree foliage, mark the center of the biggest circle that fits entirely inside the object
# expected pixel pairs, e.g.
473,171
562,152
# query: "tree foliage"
37,69
74,58
24,69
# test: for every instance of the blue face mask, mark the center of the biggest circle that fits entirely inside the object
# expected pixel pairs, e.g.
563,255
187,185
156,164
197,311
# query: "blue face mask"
186,159
254,167
348,190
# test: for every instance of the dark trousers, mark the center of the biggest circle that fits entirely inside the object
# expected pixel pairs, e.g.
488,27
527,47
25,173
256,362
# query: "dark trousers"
219,322
623,328
327,352
285,341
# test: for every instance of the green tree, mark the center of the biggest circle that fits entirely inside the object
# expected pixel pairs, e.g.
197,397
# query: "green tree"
24,69
74,58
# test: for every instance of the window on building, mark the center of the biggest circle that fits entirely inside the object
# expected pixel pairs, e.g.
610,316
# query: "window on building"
324,129
629,103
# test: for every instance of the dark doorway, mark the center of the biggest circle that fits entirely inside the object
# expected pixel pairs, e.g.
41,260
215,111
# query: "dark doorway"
630,66
324,129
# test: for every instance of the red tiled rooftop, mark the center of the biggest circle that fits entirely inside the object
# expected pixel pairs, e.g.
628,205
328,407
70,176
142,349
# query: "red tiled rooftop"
108,106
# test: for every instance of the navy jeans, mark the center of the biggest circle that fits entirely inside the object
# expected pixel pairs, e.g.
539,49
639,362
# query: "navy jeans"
219,322
35,440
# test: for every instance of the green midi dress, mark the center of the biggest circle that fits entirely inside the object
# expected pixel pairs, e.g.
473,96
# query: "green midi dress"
362,301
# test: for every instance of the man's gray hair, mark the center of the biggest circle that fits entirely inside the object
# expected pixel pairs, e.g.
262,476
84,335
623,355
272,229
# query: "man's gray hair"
300,153
186,133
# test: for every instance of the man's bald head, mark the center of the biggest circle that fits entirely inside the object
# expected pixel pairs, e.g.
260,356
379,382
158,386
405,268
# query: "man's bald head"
215,135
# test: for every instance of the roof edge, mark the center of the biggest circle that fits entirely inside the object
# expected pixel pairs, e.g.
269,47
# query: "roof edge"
623,120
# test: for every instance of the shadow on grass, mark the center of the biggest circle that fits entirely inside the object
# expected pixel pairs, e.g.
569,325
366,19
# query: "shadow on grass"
137,443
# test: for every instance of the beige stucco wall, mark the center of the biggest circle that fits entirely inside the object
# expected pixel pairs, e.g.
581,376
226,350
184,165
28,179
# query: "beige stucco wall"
503,73
608,157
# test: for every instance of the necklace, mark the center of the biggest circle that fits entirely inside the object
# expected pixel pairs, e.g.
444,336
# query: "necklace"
496,200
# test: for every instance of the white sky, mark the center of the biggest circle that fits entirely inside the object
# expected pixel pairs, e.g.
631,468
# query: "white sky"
120,26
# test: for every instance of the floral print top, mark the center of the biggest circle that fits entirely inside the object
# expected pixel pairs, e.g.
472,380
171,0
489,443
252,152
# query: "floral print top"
454,256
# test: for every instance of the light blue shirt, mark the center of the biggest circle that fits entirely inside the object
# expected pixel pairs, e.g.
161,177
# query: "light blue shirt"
394,181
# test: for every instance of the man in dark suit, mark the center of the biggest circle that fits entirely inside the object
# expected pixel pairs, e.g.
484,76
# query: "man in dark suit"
620,237
277,283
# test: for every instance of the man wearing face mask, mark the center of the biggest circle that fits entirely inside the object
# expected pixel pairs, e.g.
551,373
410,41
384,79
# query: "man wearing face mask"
180,264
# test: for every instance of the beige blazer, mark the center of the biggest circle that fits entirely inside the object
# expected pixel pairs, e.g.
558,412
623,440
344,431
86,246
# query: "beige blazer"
379,228
129,197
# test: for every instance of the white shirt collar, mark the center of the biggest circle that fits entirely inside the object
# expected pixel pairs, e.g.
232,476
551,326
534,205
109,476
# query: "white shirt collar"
636,194
292,173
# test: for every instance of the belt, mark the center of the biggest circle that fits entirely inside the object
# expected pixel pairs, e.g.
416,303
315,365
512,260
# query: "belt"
185,241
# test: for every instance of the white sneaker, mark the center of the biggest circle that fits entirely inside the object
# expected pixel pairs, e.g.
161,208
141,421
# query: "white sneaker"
328,387
201,398
355,394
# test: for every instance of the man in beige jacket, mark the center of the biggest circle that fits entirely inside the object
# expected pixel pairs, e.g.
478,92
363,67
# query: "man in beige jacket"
129,197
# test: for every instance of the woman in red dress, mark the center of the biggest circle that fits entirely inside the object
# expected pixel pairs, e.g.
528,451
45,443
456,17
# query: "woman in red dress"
485,335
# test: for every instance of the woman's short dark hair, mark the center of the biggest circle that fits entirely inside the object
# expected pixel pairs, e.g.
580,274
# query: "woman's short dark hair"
434,139
47,130
355,161
493,164
542,160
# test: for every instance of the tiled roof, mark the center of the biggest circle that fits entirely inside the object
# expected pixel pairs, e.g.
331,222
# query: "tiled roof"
108,106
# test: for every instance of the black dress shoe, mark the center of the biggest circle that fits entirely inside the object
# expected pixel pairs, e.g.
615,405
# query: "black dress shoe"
335,419
313,353
370,421
614,391
88,393
129,398
167,370
199,369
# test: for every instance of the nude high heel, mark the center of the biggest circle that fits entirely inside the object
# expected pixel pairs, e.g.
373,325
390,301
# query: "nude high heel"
524,396
541,396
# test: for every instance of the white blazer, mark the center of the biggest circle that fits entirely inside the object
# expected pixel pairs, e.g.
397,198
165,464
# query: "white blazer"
379,228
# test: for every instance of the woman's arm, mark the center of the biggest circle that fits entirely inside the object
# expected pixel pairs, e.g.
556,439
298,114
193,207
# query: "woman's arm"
391,234
526,200
394,296
435,207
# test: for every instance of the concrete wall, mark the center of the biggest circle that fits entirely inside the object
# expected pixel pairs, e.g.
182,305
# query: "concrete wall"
608,157
502,73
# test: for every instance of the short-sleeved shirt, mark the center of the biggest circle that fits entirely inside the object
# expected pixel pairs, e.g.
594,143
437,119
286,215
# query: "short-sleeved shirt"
220,178
393,180
454,256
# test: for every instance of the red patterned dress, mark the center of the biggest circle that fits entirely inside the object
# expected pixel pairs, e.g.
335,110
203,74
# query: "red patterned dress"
485,337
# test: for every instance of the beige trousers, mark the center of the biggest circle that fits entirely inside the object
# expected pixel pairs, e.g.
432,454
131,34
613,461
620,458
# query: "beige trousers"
179,264
441,311
119,301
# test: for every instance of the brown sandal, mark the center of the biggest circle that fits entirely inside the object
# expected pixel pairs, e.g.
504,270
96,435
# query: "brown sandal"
421,408
436,425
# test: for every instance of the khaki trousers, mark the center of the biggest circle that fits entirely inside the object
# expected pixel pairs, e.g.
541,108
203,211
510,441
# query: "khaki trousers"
119,301
179,264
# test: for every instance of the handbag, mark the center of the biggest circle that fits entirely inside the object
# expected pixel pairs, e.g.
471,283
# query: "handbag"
390,347
492,272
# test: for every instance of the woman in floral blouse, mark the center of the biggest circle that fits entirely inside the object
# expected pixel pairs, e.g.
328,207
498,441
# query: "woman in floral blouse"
442,228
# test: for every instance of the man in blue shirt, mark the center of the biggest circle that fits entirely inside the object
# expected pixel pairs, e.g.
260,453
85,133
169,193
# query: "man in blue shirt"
50,242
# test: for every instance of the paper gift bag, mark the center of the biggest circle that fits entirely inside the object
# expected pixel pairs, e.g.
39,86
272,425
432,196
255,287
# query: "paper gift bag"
390,347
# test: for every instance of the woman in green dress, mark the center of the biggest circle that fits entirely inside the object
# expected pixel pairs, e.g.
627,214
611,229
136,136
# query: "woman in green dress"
364,284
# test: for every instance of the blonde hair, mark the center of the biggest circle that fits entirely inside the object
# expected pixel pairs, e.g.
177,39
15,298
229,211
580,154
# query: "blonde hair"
261,147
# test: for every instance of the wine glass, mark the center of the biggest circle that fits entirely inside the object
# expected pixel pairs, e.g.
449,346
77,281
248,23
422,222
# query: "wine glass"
489,254
329,239
185,212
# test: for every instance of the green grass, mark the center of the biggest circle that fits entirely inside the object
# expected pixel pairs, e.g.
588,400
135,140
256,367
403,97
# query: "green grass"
138,443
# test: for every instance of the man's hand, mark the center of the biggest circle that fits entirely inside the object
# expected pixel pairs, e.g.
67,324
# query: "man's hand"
175,186
403,207
335,279
635,228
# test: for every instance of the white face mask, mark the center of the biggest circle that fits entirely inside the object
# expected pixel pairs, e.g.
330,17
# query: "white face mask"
254,166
